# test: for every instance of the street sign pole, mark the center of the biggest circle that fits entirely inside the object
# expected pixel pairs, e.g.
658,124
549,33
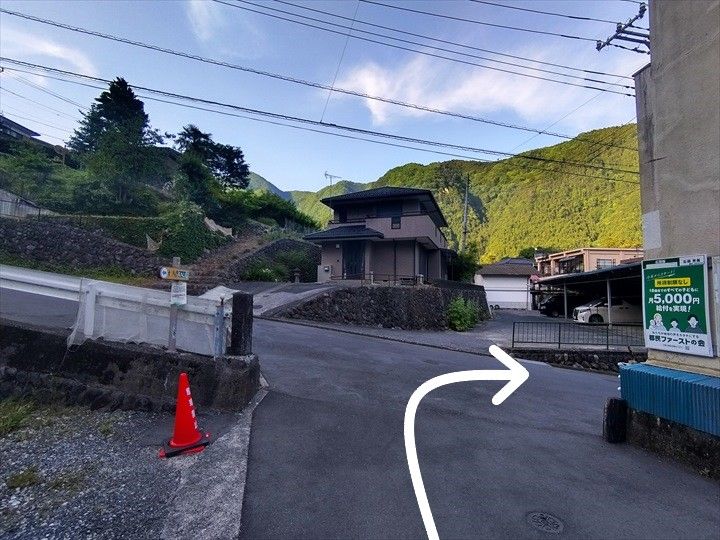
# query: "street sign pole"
172,337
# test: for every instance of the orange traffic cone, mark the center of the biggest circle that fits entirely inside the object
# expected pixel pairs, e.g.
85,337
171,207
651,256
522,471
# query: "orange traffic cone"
187,437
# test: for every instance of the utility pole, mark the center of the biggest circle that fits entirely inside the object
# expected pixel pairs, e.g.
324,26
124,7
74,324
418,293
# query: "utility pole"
331,177
465,214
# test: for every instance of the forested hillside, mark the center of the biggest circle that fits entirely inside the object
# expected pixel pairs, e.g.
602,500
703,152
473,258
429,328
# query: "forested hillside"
520,203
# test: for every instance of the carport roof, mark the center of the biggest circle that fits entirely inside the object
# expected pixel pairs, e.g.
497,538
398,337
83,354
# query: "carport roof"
619,271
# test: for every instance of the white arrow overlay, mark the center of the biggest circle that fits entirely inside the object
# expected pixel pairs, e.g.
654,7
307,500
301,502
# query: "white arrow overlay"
516,374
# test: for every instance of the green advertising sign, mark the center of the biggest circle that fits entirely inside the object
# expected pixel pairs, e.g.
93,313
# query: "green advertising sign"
675,305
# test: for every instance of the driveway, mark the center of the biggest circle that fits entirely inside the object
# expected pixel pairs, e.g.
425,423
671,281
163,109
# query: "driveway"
327,456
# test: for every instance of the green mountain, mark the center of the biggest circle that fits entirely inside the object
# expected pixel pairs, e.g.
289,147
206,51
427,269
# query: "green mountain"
520,203
259,183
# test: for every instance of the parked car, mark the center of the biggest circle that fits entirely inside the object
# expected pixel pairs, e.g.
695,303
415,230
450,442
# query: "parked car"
623,310
554,306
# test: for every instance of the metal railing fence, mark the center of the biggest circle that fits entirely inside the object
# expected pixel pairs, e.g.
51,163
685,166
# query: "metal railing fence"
572,334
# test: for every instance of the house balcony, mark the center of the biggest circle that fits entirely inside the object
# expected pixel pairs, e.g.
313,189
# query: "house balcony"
406,225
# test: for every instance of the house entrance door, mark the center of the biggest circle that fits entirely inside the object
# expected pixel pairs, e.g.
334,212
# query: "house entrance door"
354,259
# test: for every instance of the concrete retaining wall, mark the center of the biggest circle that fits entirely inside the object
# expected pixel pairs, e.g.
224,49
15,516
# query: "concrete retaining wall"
409,308
695,448
36,363
598,360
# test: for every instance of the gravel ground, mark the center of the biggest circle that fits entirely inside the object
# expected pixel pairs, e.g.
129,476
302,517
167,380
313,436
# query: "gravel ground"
90,475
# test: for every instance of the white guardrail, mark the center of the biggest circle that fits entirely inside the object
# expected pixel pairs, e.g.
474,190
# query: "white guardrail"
124,313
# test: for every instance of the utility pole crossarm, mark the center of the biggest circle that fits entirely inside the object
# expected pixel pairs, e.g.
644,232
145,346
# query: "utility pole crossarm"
623,33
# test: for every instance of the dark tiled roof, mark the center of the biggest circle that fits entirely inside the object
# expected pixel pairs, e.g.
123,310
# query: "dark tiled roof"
509,267
425,196
376,193
18,128
345,231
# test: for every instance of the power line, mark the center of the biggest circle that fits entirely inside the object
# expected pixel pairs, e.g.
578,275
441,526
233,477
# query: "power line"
50,92
544,132
287,78
442,49
342,56
438,40
341,135
484,23
56,111
279,116
425,53
303,128
345,136
551,13
63,130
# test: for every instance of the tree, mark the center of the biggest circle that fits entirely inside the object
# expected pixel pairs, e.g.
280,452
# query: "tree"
116,109
114,141
226,162
195,182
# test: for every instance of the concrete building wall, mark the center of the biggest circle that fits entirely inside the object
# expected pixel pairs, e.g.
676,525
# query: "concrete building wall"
331,255
550,264
509,292
678,111
406,258
382,260
410,227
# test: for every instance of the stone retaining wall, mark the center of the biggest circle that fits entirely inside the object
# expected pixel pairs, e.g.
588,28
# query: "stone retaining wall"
65,245
35,363
598,360
409,308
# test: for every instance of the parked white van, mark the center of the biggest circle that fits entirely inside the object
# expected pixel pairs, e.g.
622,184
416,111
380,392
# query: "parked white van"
595,312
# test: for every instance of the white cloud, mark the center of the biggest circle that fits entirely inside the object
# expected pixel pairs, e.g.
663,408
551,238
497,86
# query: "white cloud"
205,19
218,26
24,45
472,90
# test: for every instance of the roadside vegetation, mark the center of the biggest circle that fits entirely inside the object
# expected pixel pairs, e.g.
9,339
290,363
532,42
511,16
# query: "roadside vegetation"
462,314
14,414
281,267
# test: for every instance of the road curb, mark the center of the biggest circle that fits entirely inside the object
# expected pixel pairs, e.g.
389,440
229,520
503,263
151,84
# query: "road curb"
208,503
368,334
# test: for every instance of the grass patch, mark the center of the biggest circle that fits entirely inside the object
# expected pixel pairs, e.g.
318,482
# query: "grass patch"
14,414
68,481
113,274
28,477
106,428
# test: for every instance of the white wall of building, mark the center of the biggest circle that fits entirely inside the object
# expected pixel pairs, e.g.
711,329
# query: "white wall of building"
509,292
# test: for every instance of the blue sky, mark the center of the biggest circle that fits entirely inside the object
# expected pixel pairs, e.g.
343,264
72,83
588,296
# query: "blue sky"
294,159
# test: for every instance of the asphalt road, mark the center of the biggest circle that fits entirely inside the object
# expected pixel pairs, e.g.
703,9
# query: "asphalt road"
327,455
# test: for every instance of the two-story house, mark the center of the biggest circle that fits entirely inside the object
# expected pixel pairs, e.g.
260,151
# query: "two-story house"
387,234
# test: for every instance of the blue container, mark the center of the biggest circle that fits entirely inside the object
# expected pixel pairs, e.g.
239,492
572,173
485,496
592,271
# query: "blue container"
686,398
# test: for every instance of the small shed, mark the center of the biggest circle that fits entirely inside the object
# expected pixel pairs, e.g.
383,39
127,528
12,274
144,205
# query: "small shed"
507,283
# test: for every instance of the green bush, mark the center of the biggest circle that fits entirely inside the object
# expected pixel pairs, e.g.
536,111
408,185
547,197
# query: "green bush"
263,269
281,267
462,314
128,229
237,205
186,235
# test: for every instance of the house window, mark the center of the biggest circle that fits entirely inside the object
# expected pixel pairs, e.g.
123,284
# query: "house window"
395,222
605,263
